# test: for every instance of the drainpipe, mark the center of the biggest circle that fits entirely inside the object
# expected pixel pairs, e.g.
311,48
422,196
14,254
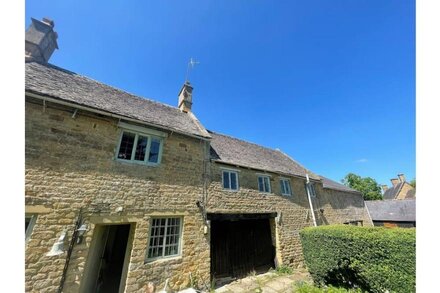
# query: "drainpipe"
310,199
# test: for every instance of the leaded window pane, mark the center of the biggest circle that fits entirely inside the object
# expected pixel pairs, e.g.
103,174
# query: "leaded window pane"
266,184
154,150
260,184
164,237
126,147
226,180
141,148
233,181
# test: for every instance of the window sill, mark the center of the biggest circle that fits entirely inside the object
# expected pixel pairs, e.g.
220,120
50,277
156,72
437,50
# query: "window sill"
163,259
136,163
230,190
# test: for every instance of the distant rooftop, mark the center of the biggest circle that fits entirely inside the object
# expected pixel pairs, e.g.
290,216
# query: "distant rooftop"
392,210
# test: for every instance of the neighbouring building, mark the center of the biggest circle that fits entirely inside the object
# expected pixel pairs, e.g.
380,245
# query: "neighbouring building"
400,189
121,190
393,213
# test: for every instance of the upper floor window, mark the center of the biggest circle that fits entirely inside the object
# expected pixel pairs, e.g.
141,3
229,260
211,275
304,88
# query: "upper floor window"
139,147
285,187
230,180
165,238
311,189
264,184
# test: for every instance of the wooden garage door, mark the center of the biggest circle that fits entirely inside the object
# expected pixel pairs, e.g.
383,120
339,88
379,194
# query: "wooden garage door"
239,247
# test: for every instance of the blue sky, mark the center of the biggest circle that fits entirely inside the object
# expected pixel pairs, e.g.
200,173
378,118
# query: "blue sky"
331,83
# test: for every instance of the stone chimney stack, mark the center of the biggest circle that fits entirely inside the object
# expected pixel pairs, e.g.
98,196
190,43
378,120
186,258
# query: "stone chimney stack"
185,97
395,181
41,40
401,177
384,187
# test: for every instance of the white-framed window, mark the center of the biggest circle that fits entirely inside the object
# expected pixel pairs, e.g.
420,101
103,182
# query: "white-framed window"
230,180
165,238
285,187
311,188
139,147
264,184
29,220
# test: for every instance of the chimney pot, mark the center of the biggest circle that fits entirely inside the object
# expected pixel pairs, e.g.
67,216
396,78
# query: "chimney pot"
401,177
48,21
395,181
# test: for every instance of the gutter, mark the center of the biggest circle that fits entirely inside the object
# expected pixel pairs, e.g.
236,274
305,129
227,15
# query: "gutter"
89,109
310,200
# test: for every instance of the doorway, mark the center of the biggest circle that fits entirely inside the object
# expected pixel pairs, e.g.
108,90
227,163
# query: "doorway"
108,259
240,244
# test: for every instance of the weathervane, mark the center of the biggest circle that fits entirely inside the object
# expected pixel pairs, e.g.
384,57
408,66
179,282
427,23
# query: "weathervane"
191,64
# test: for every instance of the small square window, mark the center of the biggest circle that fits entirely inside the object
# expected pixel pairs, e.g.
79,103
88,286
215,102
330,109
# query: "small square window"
264,184
285,187
230,180
140,148
165,238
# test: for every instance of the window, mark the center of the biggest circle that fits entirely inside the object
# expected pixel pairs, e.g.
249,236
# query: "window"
140,148
29,220
285,187
264,184
311,187
164,238
230,180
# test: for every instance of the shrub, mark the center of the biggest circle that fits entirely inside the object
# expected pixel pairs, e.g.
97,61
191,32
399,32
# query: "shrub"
372,259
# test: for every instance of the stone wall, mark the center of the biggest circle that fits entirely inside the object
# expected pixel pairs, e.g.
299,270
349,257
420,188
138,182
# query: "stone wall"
403,194
338,206
70,165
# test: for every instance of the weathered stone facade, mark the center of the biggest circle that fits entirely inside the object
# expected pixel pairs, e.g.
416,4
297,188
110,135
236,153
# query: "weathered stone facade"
71,166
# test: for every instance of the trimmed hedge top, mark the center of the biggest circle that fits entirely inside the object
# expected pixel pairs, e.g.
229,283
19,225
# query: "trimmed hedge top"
373,259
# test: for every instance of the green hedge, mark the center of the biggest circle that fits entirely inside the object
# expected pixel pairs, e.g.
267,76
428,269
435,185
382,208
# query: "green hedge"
373,259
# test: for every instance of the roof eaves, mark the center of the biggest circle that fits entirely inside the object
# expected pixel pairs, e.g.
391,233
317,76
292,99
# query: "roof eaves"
262,170
54,99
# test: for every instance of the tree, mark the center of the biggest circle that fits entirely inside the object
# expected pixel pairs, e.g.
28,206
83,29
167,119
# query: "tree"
413,183
369,188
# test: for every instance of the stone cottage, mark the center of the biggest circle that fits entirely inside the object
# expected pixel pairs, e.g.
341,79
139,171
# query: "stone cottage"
121,190
400,189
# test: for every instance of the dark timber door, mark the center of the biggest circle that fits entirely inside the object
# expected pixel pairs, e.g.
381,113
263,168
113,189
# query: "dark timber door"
239,247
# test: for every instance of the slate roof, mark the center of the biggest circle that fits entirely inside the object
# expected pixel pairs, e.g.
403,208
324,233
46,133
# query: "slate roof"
49,80
238,152
330,184
392,210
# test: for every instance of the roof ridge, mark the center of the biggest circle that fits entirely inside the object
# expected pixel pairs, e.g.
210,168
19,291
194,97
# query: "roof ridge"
132,95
